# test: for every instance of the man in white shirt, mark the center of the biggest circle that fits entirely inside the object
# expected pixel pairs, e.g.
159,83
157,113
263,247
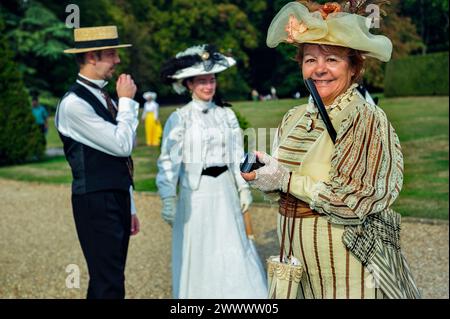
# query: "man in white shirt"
98,137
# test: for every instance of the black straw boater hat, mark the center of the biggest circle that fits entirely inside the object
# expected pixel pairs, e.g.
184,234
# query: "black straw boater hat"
95,38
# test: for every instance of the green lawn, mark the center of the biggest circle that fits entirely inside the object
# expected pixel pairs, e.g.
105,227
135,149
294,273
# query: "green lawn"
421,123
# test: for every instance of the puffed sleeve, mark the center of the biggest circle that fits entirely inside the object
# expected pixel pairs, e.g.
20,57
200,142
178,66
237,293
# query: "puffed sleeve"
169,161
366,169
281,128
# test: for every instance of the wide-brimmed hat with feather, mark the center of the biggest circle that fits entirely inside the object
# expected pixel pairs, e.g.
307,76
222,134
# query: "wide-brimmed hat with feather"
328,24
194,61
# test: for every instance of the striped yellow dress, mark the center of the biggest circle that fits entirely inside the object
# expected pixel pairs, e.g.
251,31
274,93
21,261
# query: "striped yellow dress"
352,185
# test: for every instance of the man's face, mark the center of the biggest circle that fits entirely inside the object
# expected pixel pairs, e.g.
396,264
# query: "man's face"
105,65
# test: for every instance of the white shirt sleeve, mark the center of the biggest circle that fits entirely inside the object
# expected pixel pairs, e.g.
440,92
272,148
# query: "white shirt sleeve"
78,120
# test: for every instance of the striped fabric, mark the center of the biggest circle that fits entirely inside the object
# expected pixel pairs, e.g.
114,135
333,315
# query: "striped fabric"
330,270
367,166
366,177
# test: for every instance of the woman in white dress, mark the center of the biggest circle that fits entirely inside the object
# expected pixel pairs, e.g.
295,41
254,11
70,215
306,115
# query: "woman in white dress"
201,149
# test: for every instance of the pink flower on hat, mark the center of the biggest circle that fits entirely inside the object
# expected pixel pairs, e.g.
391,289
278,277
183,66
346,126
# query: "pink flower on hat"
294,27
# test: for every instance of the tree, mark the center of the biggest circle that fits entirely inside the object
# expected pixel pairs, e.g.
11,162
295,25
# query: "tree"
20,138
432,21
283,72
160,29
38,37
405,40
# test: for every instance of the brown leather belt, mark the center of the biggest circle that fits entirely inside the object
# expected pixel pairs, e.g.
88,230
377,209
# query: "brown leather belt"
291,206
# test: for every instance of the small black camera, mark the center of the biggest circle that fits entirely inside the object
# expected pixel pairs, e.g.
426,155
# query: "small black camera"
250,163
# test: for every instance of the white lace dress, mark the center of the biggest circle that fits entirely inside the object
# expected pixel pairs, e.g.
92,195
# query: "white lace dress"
211,254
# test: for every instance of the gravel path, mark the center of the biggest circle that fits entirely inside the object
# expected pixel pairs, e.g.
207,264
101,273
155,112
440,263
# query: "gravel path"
38,241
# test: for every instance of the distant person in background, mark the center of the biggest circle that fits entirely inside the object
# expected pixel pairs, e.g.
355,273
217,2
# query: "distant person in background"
150,116
273,93
40,114
255,95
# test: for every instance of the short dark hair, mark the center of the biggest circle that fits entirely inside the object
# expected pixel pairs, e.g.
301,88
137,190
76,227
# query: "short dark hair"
80,58
355,57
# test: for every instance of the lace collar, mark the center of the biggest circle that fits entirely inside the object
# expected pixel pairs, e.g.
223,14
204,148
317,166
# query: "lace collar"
341,101
202,105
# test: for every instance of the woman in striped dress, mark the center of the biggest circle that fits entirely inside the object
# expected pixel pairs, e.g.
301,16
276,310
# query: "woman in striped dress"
337,196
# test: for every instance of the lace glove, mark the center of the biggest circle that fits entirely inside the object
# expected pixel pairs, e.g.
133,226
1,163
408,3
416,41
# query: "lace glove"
169,209
245,196
272,176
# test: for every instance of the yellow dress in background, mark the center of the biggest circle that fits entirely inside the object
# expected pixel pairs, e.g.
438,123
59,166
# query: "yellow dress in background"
153,129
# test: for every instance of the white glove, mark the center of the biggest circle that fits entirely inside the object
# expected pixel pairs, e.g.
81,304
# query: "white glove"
169,209
272,176
245,197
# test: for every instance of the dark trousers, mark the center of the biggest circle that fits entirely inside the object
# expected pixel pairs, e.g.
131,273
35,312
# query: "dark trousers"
103,223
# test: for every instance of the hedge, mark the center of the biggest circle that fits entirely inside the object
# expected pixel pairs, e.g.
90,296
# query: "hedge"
20,137
422,75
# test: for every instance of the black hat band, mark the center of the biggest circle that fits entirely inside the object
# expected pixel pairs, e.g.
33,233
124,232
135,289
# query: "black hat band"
96,43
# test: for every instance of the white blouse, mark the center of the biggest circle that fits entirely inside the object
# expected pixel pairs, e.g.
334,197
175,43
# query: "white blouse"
195,137
151,106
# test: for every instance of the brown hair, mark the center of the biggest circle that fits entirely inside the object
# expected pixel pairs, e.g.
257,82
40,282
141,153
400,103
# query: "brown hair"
355,58
80,58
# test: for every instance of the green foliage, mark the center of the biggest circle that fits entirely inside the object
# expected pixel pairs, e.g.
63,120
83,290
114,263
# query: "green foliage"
40,33
418,75
20,138
287,76
38,39
432,21
160,28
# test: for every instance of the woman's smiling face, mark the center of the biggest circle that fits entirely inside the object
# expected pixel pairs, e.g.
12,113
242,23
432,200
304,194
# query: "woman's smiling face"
203,87
330,70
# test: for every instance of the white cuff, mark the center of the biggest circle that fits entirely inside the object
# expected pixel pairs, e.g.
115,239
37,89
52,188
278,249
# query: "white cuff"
315,194
128,105
132,204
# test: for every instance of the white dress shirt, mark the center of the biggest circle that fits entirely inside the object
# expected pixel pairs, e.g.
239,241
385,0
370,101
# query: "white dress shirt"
77,119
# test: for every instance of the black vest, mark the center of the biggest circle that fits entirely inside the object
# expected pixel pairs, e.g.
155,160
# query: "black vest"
93,170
